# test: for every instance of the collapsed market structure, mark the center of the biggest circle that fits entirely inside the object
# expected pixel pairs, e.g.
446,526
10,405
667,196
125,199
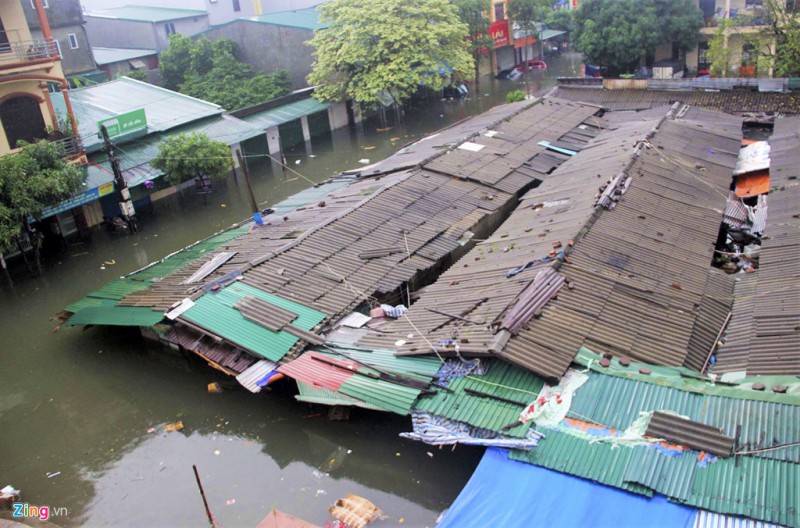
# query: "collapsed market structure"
554,288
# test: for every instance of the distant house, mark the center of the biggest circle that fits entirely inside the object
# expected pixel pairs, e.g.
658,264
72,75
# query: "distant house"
281,41
219,11
119,61
142,27
65,18
167,113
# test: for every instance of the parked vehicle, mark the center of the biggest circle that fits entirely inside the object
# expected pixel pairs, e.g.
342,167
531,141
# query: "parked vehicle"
533,64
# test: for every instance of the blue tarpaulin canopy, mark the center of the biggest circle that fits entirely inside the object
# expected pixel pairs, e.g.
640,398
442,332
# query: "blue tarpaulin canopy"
511,494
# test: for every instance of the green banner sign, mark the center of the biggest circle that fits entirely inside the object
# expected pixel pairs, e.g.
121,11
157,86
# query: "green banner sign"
124,124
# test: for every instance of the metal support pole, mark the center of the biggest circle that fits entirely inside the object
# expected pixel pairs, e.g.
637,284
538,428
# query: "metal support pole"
246,177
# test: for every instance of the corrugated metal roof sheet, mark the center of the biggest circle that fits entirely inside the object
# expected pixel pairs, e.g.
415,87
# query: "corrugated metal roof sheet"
215,313
737,102
707,519
694,435
309,394
462,403
249,378
391,397
617,402
286,113
116,316
300,18
111,55
146,13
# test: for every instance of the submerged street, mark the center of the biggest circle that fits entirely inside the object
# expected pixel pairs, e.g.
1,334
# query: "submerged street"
82,413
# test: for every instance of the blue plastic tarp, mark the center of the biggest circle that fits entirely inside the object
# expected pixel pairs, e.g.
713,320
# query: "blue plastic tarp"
511,494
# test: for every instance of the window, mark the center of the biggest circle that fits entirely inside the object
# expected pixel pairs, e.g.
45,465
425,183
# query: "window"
5,46
169,27
500,11
703,62
44,4
58,47
22,120
73,41
236,6
748,55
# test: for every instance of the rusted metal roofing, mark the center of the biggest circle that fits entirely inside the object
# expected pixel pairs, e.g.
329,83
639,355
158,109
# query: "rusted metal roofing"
320,370
736,102
691,434
219,354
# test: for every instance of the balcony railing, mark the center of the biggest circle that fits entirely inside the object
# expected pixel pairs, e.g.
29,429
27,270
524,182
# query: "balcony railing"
72,145
25,51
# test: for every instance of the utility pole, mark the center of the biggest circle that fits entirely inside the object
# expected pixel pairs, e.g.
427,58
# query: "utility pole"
125,203
250,196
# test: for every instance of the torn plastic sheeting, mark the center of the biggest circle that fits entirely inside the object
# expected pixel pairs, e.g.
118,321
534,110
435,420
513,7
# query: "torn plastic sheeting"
553,403
354,511
753,157
438,430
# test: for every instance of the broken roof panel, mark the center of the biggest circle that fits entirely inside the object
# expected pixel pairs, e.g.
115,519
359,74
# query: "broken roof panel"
691,434
215,313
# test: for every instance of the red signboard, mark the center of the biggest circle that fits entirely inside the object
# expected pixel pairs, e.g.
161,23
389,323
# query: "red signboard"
499,32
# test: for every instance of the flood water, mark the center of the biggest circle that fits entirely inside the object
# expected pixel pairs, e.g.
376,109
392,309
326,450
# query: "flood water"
76,405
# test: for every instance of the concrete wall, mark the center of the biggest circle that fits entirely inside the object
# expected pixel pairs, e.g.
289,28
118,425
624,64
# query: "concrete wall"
109,33
221,11
73,61
124,67
268,48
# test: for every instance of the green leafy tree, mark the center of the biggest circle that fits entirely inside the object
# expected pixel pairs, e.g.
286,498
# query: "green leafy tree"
139,75
36,177
472,13
561,20
195,155
720,54
778,46
211,71
375,49
617,34
175,61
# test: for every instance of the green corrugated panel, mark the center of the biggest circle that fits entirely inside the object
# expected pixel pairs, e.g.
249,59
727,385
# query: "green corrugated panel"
757,423
301,18
761,489
384,395
215,312
116,316
386,360
286,113
119,288
89,302
600,462
668,475
309,394
503,380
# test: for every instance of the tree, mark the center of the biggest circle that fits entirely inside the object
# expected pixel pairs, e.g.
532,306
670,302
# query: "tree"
720,55
195,155
617,34
175,61
779,45
375,49
561,20
139,75
471,13
36,177
211,71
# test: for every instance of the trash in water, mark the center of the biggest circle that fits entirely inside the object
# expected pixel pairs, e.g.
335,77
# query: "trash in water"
214,388
51,475
297,162
221,205
230,502
320,492
216,451
354,511
364,161
151,430
369,148
174,426
110,262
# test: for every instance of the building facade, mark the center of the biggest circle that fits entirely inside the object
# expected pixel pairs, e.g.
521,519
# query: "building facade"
29,69
67,27
142,27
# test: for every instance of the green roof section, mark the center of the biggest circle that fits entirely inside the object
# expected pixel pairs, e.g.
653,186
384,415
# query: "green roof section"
111,315
503,381
684,379
111,55
145,13
286,113
420,367
300,19
215,313
108,295
381,394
